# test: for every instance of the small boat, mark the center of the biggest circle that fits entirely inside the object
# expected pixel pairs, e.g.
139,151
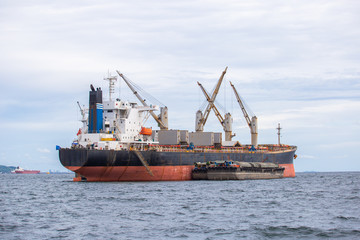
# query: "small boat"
20,170
233,170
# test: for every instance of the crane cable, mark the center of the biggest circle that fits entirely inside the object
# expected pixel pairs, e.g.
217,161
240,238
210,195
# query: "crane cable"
247,108
145,94
216,103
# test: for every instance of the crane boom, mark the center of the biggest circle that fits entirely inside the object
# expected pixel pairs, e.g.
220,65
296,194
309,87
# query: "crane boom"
81,110
200,124
217,113
83,115
251,123
157,119
246,115
225,123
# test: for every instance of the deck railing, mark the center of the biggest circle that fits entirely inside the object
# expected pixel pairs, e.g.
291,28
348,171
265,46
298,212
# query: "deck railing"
207,149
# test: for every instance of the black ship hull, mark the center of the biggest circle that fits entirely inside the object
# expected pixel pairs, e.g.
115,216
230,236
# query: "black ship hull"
122,165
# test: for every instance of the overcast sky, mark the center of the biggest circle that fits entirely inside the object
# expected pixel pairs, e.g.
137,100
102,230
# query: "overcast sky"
294,62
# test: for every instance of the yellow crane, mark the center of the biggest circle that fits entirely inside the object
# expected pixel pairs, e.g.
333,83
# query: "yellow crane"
252,123
226,122
202,118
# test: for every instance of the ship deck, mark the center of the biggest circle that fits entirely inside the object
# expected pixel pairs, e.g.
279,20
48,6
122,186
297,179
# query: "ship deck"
211,149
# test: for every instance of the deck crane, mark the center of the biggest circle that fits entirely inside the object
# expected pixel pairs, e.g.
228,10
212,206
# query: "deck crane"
84,119
226,123
162,119
202,118
251,123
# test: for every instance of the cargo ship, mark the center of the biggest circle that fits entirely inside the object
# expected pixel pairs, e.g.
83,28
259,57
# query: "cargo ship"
114,145
20,170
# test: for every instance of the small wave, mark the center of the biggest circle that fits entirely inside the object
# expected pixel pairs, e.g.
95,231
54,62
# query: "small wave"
283,231
44,227
91,235
7,228
104,199
135,199
273,203
180,213
181,236
171,236
224,200
345,218
152,214
65,229
305,232
338,233
353,198
21,214
222,232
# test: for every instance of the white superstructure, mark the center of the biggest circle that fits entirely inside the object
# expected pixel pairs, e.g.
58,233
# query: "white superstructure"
122,124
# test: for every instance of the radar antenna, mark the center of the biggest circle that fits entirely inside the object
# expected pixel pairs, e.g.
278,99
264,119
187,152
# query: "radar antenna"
279,128
112,80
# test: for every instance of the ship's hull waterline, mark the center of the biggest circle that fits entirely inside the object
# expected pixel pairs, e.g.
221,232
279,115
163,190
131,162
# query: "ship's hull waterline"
122,165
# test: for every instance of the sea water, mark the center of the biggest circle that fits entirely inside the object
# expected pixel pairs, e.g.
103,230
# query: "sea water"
312,205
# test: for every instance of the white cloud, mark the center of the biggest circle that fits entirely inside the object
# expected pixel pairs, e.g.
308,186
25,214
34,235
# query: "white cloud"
43,150
310,114
341,145
306,156
39,126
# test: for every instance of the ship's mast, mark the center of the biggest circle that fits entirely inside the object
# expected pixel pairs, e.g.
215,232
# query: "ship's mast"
279,128
112,80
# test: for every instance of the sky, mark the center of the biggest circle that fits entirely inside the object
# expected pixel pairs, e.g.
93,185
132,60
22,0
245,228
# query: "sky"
296,63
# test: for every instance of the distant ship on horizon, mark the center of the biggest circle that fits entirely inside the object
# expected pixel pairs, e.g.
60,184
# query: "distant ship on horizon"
20,170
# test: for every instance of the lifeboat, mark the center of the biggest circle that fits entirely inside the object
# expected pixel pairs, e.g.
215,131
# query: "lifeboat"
146,131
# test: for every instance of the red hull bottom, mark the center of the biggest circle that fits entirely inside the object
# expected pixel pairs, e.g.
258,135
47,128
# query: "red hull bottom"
289,170
139,173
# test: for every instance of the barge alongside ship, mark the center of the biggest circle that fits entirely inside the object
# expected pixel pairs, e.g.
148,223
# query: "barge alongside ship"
230,170
113,144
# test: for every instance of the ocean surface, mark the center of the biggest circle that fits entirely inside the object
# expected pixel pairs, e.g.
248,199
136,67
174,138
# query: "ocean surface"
310,206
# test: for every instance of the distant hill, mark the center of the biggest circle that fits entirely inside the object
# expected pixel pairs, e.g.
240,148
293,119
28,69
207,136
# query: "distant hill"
6,169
